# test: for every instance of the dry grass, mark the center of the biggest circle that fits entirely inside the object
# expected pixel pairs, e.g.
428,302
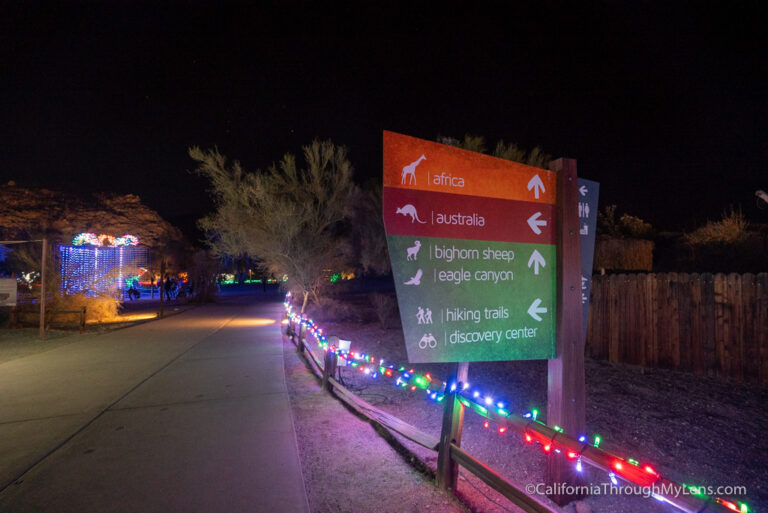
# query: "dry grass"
731,229
101,308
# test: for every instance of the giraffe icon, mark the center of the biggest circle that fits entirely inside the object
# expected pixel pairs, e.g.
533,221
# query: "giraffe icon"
409,171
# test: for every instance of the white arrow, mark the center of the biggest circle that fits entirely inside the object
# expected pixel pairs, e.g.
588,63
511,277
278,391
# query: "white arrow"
534,222
535,310
583,190
537,185
536,260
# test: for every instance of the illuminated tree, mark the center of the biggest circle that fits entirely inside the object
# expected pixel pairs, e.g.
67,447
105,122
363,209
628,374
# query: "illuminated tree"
291,218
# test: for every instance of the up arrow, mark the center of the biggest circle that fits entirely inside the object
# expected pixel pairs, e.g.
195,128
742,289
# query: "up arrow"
536,260
535,310
583,190
534,222
537,185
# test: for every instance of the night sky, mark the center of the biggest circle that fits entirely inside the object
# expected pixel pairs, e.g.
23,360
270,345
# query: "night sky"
664,103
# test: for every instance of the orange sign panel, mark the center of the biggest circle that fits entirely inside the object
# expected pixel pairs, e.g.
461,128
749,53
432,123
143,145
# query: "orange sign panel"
440,168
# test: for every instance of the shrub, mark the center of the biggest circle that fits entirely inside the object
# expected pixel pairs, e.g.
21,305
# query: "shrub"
385,307
731,229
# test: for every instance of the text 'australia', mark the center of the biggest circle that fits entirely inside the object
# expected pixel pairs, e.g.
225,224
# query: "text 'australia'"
460,219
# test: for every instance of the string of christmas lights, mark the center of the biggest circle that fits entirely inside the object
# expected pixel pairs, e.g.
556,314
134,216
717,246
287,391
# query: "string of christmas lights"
104,240
552,439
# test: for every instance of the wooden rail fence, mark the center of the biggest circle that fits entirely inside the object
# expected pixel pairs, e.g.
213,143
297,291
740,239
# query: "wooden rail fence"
713,324
667,491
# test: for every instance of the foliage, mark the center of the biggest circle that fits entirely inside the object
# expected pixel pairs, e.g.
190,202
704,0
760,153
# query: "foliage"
536,157
202,277
98,307
627,226
385,307
731,229
290,217
368,234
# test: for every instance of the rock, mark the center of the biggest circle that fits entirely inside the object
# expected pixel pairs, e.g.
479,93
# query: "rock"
27,212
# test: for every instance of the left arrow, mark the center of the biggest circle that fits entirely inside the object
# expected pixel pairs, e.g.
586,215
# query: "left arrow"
534,310
534,222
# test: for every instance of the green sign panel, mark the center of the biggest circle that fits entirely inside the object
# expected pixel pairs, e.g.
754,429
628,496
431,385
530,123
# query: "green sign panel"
468,300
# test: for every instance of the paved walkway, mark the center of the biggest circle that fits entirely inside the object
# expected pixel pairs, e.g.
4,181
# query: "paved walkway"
189,413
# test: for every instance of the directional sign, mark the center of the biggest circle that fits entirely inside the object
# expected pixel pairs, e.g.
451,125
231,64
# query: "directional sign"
588,194
472,244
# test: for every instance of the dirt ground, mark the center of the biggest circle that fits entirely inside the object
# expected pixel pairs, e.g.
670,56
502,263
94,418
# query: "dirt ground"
692,429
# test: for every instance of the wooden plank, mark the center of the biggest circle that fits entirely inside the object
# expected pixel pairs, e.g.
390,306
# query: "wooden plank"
613,327
494,480
683,296
652,291
721,323
390,422
751,349
627,328
673,314
709,323
643,322
663,320
696,325
761,323
593,341
736,351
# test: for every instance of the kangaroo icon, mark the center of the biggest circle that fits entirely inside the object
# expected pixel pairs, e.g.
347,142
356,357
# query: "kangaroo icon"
416,280
409,171
413,251
410,210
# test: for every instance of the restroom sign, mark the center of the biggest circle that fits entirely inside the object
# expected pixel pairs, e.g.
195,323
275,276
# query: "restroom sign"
472,244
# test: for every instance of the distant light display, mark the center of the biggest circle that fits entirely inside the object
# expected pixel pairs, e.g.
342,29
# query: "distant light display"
104,240
93,269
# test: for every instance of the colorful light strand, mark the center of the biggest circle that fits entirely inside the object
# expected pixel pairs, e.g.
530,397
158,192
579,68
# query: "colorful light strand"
632,472
104,240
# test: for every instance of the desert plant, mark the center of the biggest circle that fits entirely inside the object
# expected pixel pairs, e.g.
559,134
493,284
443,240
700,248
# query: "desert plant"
536,157
289,217
627,226
730,229
385,307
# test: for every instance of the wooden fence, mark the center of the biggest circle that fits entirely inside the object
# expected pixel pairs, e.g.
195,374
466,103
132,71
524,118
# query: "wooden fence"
450,454
713,324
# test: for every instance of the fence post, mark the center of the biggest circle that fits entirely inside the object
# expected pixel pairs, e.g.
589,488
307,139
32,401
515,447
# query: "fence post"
329,365
453,423
302,334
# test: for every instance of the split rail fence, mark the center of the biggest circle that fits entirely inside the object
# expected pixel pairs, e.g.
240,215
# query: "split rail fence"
552,439
711,324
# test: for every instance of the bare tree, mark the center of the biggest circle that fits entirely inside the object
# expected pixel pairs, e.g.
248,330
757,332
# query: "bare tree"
290,218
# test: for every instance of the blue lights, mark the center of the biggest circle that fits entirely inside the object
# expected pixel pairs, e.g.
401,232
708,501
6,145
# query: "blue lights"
97,269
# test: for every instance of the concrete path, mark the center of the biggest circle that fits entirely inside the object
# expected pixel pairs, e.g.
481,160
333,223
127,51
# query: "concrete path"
190,413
